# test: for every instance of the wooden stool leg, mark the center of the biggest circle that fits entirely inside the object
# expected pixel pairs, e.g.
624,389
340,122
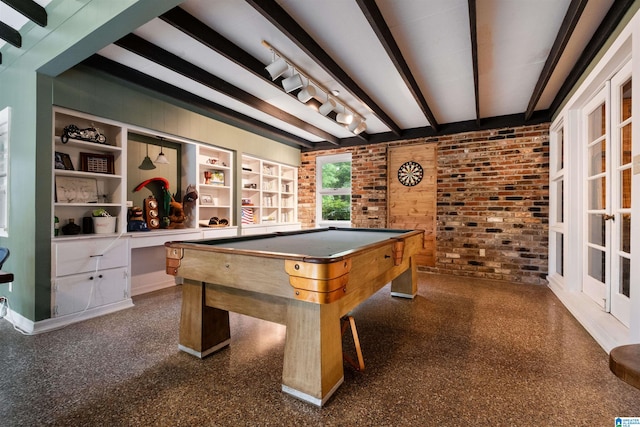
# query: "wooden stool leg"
351,322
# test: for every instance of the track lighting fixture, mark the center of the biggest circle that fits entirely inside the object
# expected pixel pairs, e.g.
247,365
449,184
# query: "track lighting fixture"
306,93
360,128
354,123
345,115
327,107
277,68
292,83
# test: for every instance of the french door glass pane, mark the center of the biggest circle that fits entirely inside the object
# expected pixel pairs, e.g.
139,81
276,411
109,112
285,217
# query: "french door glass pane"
560,253
625,143
596,123
597,193
626,101
625,189
625,233
560,150
596,259
560,201
597,230
625,276
597,158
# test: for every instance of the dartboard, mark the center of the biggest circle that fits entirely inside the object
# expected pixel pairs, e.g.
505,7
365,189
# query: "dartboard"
410,173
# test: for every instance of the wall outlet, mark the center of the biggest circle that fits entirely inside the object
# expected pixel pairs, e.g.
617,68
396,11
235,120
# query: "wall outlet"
3,307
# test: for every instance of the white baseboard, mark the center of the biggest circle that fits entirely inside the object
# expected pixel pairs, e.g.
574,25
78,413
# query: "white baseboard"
30,327
605,329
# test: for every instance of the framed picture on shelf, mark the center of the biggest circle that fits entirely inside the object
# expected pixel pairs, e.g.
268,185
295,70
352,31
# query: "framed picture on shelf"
206,199
98,163
217,177
63,161
76,190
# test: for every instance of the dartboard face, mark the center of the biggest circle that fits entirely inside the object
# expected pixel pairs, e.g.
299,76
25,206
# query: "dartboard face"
410,174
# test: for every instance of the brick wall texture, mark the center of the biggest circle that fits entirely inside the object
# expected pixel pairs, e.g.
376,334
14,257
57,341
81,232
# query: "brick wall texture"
492,200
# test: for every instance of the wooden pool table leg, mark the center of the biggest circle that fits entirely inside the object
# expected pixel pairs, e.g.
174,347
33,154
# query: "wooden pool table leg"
406,284
203,330
313,367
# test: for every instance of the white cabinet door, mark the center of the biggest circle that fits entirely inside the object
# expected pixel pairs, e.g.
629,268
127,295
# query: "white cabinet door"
73,294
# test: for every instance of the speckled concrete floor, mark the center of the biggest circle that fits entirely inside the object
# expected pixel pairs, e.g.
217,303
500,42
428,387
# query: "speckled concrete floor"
464,352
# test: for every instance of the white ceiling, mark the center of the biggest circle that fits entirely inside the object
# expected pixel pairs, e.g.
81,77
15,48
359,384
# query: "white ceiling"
514,39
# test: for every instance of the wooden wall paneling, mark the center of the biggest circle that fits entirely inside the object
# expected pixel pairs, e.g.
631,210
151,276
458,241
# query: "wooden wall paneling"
414,207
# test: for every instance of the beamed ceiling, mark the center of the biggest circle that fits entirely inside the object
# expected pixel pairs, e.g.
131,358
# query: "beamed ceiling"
410,68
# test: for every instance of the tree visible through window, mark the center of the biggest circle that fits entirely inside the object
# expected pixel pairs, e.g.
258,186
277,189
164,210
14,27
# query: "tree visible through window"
334,189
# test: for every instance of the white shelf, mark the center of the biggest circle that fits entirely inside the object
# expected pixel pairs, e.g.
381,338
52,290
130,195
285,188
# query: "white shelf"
215,199
271,187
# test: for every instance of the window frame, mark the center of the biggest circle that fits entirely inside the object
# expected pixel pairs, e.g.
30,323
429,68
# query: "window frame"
320,191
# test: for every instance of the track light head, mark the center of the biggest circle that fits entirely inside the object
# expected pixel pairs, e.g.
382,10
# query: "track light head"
360,128
277,68
327,107
307,93
344,118
292,83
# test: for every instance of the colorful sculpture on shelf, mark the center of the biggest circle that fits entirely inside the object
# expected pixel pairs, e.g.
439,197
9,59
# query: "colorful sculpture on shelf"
173,215
166,195
90,134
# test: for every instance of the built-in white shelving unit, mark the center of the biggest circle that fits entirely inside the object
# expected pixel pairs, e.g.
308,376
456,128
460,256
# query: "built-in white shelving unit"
269,196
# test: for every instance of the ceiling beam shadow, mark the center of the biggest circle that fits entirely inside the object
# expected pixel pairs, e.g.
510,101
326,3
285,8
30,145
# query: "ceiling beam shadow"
380,27
473,34
192,101
29,9
156,54
569,23
277,16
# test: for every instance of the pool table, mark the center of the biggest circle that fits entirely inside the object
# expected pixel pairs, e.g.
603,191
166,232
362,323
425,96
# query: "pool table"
306,280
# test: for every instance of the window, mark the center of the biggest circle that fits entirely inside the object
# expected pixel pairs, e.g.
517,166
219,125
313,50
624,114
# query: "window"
5,118
333,195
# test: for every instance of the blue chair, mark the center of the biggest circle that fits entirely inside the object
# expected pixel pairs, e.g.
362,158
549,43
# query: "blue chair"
4,254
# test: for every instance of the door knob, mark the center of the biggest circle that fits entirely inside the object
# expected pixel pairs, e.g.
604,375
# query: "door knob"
608,217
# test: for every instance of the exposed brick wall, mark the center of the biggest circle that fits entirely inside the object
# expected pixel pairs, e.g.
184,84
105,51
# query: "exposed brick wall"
493,200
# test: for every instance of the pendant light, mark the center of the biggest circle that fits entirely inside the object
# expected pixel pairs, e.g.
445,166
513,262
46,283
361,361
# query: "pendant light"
161,159
147,164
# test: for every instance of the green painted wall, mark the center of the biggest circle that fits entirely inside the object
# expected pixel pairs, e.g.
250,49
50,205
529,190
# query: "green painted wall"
31,84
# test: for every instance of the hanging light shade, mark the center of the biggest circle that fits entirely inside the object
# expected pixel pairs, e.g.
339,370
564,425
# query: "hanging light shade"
161,159
277,68
307,93
147,164
327,107
292,83
344,118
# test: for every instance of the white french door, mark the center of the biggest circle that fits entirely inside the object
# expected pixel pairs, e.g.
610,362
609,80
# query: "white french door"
621,170
607,184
